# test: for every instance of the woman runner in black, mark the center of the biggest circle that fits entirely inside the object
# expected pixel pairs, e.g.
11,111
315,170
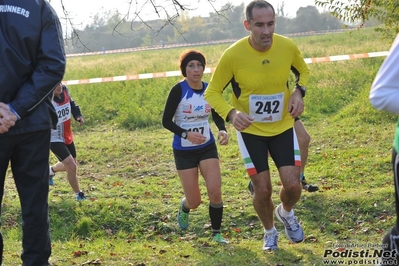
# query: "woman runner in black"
186,114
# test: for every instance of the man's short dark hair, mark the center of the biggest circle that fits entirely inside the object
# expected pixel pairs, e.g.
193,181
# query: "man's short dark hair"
257,4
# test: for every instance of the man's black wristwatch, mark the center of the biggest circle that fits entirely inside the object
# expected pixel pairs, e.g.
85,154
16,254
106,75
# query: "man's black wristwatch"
302,89
184,134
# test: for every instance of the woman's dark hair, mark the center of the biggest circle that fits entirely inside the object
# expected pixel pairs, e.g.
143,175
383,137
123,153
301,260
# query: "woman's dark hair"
188,56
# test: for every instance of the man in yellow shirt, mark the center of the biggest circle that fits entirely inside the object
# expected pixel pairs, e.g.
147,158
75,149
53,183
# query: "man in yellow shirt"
263,111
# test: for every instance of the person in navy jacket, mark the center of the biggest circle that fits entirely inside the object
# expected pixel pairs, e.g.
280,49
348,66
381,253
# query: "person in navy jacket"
32,64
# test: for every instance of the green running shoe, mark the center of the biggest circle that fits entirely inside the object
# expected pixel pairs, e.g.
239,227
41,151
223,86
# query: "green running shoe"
219,239
182,217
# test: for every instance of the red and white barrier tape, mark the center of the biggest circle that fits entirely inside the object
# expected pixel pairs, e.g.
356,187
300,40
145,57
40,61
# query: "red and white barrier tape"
344,57
211,70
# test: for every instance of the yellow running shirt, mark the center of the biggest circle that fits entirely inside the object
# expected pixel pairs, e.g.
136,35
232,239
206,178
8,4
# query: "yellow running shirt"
260,83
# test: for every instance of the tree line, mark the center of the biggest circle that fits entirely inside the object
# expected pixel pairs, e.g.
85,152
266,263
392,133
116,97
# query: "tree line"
111,31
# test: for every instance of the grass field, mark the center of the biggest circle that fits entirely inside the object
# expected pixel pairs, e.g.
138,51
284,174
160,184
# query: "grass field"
126,167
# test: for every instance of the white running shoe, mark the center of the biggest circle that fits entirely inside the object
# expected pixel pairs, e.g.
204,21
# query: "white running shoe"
293,229
270,242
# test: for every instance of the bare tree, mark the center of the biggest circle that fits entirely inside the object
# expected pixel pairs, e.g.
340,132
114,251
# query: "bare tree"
166,10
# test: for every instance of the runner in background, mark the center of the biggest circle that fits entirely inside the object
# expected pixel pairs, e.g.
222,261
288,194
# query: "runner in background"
304,141
62,144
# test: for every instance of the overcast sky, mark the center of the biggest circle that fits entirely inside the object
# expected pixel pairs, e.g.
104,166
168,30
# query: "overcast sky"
82,10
